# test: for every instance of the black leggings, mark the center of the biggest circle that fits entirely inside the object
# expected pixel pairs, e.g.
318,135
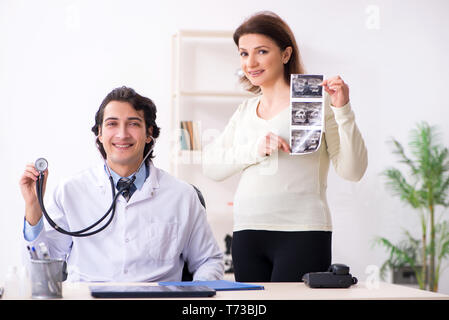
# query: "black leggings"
279,256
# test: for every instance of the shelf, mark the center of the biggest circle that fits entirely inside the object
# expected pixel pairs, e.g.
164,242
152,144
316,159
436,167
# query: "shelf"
218,94
188,157
204,34
194,97
195,153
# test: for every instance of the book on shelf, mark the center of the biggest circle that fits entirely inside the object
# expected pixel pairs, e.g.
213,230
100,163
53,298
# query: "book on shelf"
190,137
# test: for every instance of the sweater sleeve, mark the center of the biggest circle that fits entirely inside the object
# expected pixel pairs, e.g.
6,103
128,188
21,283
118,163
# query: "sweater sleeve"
345,144
233,150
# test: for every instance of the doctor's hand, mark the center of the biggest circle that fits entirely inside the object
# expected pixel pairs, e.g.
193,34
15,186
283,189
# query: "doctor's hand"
338,90
27,185
270,143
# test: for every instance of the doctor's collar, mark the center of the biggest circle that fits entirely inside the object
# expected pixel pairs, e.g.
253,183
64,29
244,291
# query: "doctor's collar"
141,175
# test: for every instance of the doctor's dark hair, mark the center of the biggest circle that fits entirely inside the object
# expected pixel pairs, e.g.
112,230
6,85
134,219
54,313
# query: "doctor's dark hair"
138,102
272,26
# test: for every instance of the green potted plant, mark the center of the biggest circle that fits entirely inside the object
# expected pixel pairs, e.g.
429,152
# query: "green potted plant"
425,188
403,260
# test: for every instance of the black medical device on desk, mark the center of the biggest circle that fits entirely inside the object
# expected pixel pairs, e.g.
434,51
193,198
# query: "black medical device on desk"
337,276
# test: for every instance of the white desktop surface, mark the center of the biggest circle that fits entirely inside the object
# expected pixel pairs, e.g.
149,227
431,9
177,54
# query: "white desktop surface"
288,291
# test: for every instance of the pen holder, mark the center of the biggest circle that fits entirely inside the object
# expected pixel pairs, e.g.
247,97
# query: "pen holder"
46,278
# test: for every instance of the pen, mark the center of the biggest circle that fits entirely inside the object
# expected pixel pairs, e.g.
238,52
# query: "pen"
34,253
29,250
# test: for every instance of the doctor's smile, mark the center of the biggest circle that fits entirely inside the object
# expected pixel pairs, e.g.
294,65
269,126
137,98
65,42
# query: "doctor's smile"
122,146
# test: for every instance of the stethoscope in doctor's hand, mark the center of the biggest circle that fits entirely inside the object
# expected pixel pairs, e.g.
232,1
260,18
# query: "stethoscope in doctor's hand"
41,165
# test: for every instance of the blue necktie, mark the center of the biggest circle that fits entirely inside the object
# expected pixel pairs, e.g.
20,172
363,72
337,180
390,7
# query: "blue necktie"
129,190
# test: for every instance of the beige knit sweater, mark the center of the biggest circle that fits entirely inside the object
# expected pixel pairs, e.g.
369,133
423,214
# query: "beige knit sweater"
284,192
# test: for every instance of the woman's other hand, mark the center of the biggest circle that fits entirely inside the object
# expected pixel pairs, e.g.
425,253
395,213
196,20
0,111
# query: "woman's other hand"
270,143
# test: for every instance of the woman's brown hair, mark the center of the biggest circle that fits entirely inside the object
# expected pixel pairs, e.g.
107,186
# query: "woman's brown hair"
271,25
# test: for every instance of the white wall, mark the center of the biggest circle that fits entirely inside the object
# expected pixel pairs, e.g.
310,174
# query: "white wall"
58,59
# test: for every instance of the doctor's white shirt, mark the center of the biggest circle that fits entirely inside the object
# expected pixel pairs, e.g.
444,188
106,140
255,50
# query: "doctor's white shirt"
162,225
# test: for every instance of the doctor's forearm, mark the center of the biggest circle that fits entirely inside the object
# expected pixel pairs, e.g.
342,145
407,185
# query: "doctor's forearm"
33,213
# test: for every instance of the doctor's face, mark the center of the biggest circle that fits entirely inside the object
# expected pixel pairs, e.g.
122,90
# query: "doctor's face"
124,136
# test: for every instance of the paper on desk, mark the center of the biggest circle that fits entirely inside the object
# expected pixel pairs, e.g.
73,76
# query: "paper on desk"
218,285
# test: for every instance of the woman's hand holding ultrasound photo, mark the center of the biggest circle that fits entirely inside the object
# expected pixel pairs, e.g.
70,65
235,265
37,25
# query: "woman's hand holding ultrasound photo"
338,90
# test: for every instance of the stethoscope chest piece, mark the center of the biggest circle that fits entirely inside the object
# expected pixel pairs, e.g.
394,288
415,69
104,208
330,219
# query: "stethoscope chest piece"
41,164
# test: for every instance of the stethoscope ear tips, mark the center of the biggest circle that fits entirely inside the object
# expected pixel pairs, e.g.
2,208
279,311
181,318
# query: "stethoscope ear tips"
41,164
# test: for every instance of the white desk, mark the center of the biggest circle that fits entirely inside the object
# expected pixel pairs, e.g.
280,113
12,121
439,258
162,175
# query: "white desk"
290,291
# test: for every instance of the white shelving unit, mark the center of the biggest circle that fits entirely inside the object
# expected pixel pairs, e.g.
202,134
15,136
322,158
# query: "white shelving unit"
205,88
178,89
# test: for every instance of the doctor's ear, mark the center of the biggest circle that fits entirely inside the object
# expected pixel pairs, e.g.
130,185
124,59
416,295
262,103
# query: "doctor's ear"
149,135
99,136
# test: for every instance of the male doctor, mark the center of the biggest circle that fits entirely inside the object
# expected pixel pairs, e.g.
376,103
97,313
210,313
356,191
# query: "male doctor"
158,225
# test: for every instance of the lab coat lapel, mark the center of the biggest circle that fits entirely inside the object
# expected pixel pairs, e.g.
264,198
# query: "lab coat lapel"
146,192
102,179
148,188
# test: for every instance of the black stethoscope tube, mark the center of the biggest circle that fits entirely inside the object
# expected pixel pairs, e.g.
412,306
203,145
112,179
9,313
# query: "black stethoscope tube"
41,166
79,233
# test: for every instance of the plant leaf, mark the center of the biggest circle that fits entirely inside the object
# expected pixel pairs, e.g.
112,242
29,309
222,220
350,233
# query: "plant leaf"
400,187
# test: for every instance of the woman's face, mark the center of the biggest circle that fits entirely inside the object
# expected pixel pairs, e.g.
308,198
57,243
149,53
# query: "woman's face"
262,60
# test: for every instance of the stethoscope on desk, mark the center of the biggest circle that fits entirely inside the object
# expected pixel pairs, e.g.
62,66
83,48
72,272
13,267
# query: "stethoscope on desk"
41,165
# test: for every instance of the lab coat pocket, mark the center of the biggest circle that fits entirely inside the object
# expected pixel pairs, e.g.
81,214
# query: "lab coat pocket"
163,240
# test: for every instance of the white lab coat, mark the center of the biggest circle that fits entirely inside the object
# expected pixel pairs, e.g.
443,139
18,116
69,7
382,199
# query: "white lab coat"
162,225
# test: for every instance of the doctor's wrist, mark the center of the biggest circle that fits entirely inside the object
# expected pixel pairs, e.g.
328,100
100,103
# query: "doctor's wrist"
33,213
